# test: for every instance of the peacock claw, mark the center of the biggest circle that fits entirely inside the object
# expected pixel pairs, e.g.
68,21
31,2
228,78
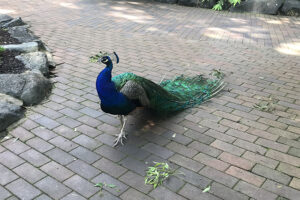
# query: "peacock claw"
119,139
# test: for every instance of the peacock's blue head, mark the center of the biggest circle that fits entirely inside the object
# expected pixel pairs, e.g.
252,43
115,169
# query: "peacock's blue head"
109,59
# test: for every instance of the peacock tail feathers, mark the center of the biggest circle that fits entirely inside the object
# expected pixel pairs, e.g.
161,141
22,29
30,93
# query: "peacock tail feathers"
177,94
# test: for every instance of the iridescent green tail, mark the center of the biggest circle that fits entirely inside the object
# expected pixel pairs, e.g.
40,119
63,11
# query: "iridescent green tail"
177,94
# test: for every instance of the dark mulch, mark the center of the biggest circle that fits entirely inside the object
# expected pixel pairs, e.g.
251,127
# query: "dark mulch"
8,63
6,39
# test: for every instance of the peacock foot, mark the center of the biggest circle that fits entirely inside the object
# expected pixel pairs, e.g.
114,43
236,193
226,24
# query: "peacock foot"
120,138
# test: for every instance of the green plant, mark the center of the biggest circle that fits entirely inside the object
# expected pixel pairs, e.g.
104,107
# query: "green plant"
267,105
158,173
1,51
101,185
217,73
219,5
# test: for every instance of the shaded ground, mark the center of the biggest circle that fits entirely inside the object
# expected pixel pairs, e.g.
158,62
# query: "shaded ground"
240,152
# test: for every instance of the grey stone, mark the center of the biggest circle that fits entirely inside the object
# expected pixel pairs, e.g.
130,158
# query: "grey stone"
15,22
35,89
258,6
35,61
12,84
10,110
24,47
167,1
22,34
4,19
198,3
291,7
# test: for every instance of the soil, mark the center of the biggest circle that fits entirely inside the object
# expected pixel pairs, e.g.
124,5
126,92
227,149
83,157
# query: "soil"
8,63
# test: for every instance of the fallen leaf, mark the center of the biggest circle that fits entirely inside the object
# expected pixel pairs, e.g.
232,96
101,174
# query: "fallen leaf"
206,189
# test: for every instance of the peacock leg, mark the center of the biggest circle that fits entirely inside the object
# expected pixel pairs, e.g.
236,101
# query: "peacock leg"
121,135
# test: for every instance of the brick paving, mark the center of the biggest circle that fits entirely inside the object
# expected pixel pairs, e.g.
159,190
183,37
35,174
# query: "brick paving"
64,144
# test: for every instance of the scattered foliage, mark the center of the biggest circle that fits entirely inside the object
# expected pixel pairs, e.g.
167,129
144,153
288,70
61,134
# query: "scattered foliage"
206,189
217,73
219,5
158,173
1,51
102,185
267,105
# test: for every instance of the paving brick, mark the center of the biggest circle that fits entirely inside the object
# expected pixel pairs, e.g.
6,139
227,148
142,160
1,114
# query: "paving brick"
70,113
39,144
4,193
29,173
289,169
109,120
162,193
63,143
227,116
212,162
104,195
6,175
90,121
283,133
193,126
281,190
245,115
66,132
21,133
241,135
261,159
221,136
60,156
43,197
233,125
69,122
132,194
29,124
87,142
10,160
173,183
85,154
254,192
109,167
294,152
90,112
23,190
106,139
154,138
272,145
57,171
250,146
289,142
263,134
186,162
81,186
135,181
214,126
89,131
255,124
110,153
194,178
283,157
85,170
194,193
218,176
43,133
205,149
203,138
227,147
271,174
181,149
264,114
35,158
226,193
245,175
104,178
295,183
73,196
273,123
237,161
134,151
134,165
52,187
47,122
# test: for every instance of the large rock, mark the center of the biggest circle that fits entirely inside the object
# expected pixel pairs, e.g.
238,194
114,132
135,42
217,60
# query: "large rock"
291,8
12,84
198,3
22,34
31,87
10,111
35,61
4,19
15,22
258,6
24,47
37,87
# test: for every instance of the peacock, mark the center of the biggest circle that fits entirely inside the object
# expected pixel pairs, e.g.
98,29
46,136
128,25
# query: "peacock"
123,93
